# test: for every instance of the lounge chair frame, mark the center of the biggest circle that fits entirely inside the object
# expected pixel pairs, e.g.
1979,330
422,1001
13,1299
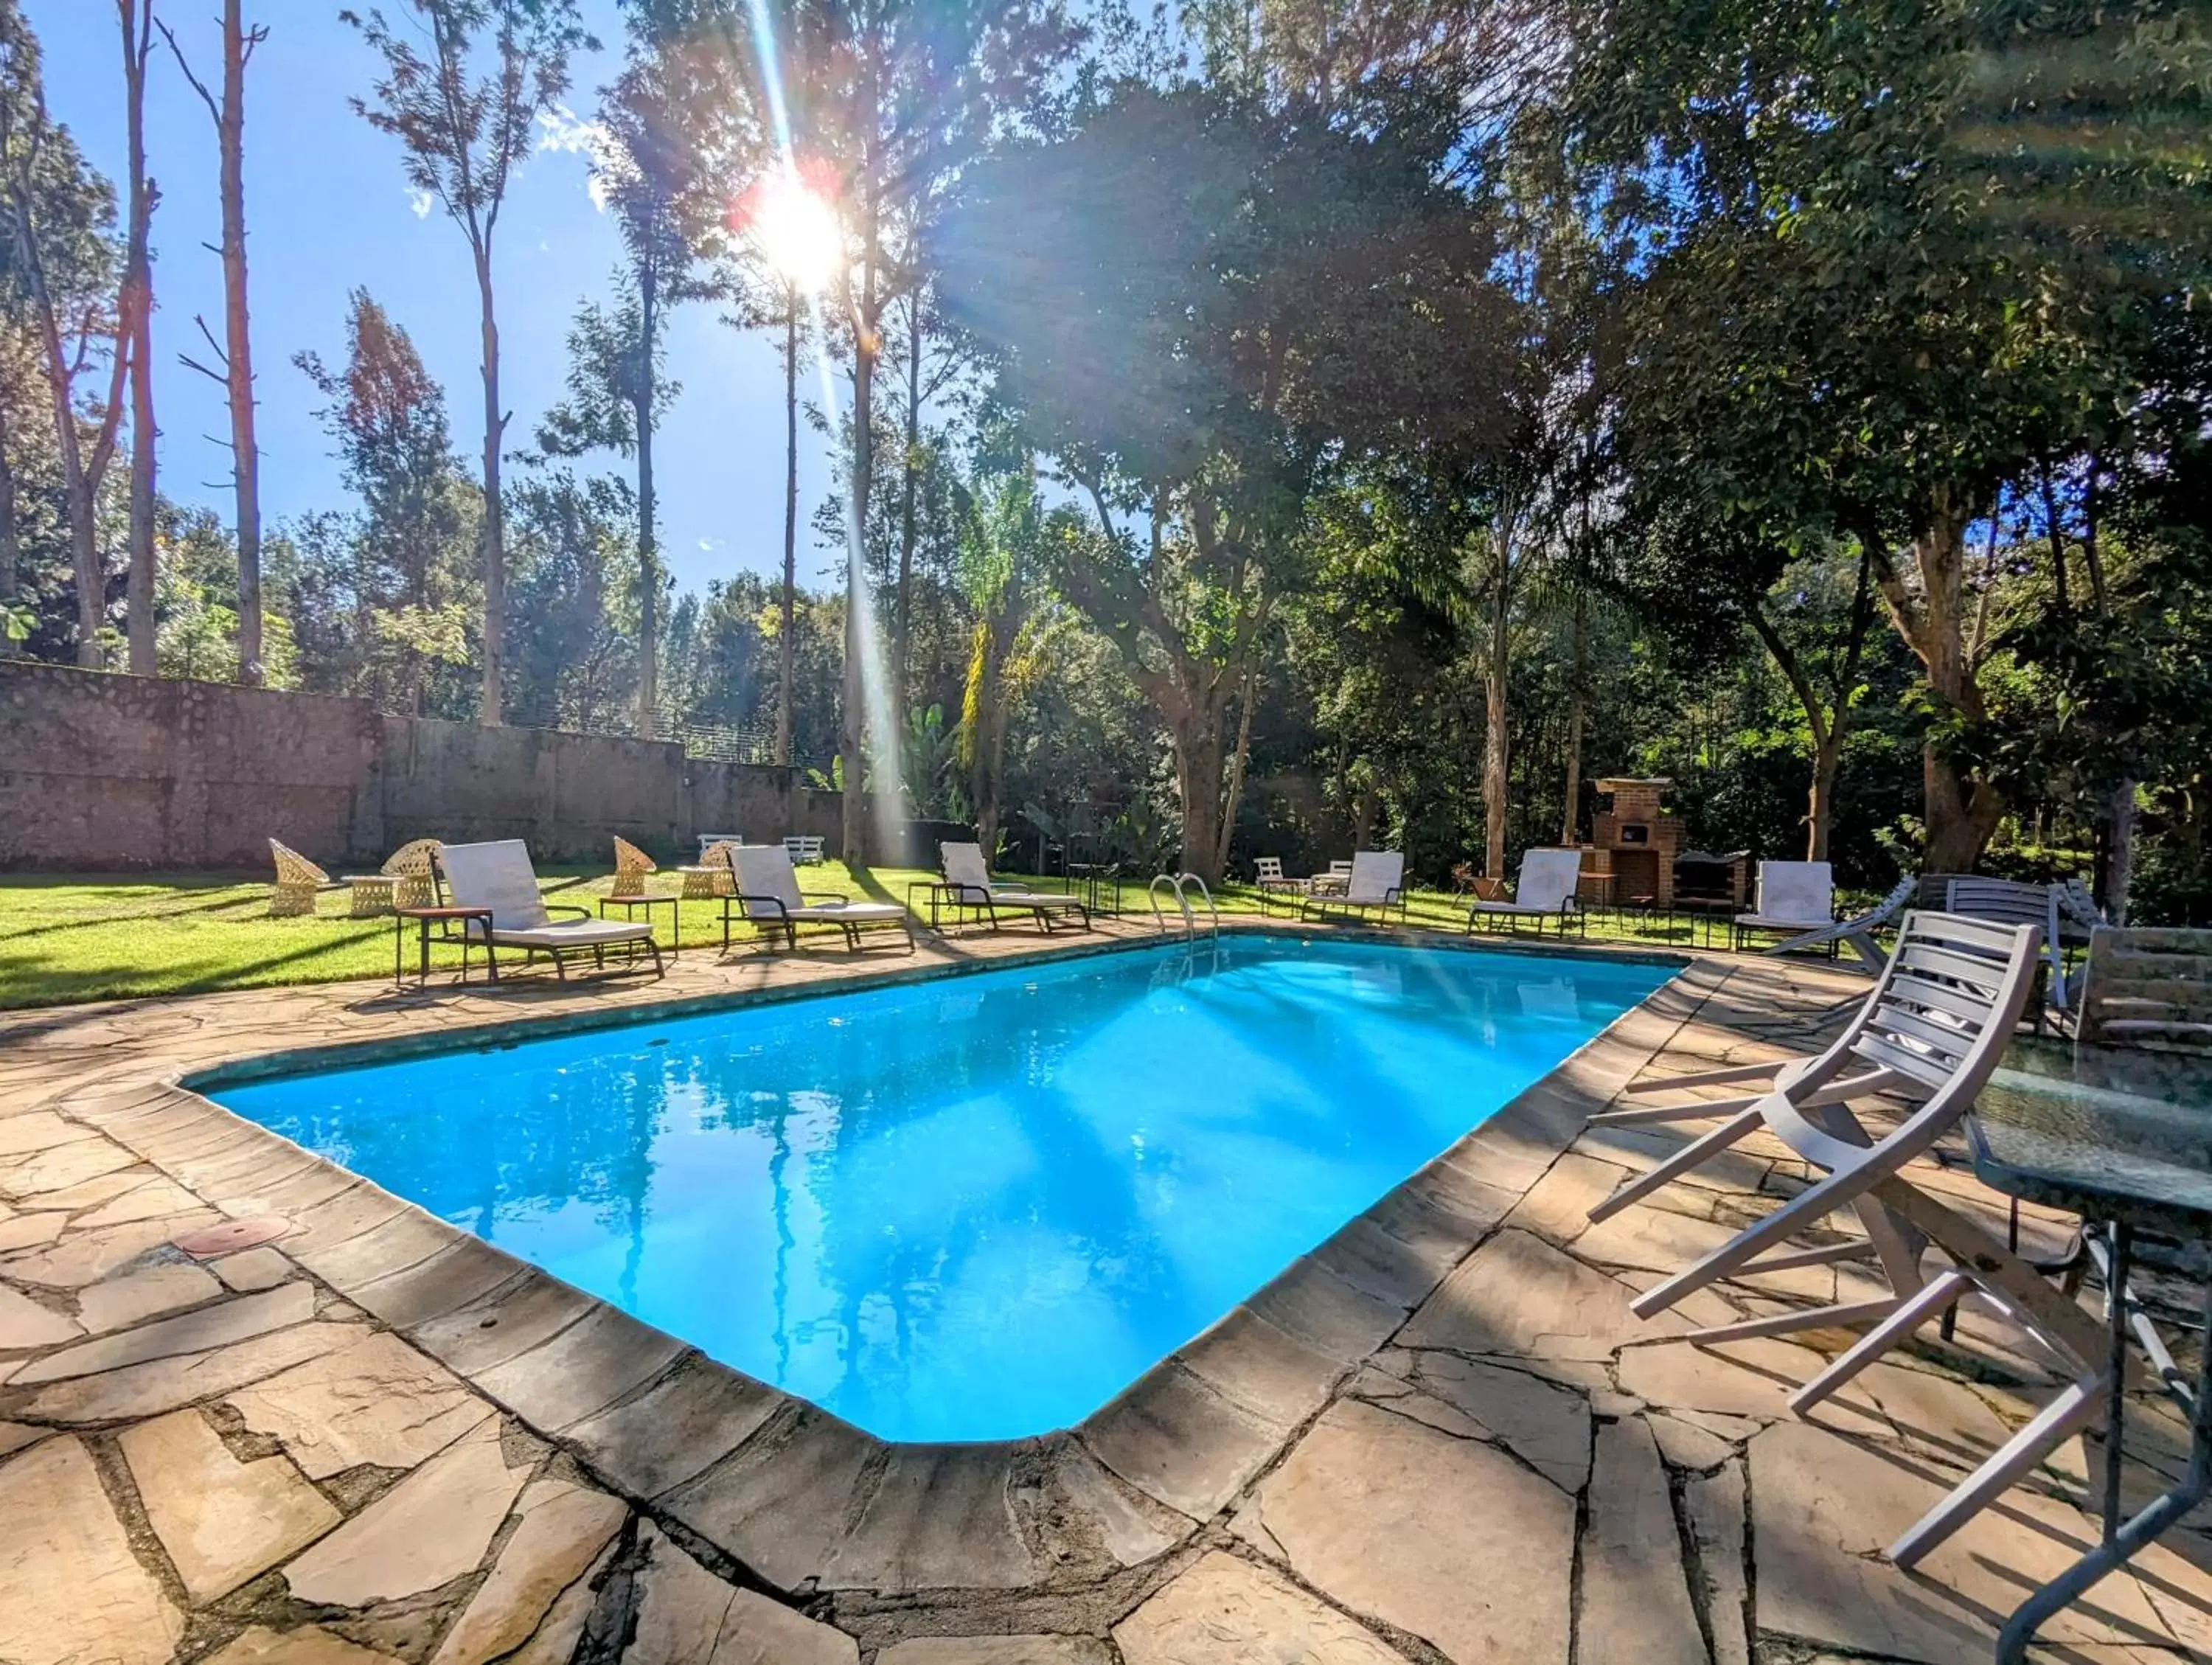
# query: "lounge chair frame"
1932,1031
974,887
1374,885
588,935
1542,871
1856,934
777,913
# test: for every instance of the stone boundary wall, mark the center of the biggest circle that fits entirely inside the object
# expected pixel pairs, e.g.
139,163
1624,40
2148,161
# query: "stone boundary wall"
100,771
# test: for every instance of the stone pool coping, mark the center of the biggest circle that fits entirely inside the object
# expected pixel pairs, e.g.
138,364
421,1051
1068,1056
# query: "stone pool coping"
773,1489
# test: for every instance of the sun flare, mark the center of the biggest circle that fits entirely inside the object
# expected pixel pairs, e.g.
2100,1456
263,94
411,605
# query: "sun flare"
796,230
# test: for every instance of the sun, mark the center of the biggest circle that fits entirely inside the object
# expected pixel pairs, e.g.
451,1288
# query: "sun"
796,231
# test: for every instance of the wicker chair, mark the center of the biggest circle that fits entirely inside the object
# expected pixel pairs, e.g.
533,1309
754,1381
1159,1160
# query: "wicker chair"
631,865
408,879
298,883
712,875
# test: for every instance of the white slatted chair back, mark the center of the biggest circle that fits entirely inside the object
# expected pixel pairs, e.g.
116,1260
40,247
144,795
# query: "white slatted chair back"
1548,878
1797,892
1269,869
765,871
965,865
498,876
1375,875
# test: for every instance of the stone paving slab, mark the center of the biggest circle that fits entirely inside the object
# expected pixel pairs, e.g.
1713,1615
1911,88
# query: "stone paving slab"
1441,1436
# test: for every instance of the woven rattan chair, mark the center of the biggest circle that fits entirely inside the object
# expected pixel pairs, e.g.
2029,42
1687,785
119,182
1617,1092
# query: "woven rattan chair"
712,875
298,883
631,865
408,879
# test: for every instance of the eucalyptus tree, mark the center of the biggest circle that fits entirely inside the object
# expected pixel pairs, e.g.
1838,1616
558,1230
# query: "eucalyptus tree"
234,354
136,309
1200,308
62,268
889,101
658,171
466,115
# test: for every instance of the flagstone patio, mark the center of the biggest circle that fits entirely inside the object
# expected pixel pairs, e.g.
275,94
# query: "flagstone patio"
1441,1436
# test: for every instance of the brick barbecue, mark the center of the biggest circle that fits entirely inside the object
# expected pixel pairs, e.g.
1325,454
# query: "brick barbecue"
1631,860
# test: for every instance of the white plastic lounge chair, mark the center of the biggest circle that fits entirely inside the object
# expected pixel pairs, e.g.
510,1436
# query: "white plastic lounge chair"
498,876
1268,875
1375,885
1793,899
1932,1032
768,896
1857,934
2050,907
970,879
1545,890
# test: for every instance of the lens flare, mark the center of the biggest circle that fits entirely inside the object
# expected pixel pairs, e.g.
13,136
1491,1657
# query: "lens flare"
796,231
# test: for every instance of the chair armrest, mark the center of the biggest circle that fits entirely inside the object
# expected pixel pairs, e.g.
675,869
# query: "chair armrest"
776,902
963,892
836,896
567,907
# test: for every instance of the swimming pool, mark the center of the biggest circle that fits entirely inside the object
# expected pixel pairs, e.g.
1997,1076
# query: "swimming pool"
975,1207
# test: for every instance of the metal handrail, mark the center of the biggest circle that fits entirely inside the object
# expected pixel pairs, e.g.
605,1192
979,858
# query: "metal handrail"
1193,879
1174,882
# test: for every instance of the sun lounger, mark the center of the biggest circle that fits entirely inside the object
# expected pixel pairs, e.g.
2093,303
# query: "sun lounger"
499,876
1545,892
1793,899
767,896
408,879
969,877
1856,934
1931,1034
1375,884
2049,908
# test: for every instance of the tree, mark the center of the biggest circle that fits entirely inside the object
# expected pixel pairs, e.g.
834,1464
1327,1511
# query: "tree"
404,573
1006,557
464,135
235,354
136,314
1199,311
893,99
62,270
617,393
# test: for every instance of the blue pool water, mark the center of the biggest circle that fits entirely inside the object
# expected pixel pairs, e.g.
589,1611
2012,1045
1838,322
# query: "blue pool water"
975,1208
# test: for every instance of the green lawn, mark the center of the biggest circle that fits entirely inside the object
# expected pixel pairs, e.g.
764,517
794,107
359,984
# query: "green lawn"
92,936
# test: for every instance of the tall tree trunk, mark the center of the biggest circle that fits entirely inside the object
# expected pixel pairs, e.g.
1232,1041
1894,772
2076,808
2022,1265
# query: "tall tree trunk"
1829,720
10,539
909,478
1571,818
787,649
490,710
238,44
1961,810
1199,769
853,819
648,551
2120,868
1234,796
136,17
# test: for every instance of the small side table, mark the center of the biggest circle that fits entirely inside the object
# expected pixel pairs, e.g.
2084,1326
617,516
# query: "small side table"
424,918
629,905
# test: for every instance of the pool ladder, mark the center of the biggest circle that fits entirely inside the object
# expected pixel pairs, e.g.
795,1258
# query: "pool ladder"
1178,885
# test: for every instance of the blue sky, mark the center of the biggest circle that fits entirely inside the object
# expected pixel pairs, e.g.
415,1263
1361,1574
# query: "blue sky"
327,210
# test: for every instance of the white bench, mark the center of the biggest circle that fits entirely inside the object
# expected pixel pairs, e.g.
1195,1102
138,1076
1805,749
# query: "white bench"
802,849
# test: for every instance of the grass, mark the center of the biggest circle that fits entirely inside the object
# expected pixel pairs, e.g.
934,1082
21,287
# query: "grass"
93,937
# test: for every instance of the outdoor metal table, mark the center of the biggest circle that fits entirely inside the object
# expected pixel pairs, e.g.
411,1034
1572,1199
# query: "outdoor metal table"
942,892
1091,875
629,905
2115,1139
426,917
